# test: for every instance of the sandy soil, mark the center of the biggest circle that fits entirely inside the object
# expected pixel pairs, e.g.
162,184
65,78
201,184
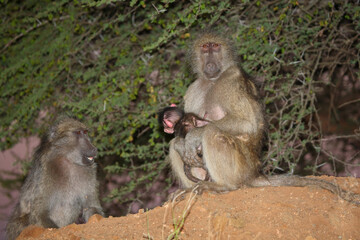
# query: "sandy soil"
264,213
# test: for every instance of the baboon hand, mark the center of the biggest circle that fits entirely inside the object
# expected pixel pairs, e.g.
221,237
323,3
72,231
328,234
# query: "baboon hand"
192,158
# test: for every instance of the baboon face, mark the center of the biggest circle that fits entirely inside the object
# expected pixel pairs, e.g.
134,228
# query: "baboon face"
72,137
187,125
183,127
211,59
176,121
87,150
169,117
188,122
211,55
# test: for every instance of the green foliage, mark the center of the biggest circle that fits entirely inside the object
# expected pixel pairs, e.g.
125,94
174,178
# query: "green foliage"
113,64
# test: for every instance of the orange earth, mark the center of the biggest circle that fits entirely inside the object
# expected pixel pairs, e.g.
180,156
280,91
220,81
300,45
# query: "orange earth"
250,213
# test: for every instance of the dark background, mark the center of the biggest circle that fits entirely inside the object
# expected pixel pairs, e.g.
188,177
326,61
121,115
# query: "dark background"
114,64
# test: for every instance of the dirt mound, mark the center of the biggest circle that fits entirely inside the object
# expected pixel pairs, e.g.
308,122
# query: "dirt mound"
262,213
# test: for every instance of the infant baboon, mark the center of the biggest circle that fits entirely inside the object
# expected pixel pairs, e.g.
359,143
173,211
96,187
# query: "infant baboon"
61,186
175,121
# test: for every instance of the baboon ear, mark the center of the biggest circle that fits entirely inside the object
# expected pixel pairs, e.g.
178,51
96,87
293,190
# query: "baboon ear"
201,123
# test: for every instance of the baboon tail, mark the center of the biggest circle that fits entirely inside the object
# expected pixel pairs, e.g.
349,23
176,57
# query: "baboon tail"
297,181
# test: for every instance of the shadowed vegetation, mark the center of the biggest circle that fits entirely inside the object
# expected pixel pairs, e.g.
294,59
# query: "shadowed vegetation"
114,64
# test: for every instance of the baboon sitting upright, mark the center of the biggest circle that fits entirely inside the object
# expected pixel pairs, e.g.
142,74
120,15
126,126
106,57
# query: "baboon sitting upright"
228,100
231,141
61,186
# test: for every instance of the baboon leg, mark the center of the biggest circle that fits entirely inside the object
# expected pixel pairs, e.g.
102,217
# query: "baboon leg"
228,160
59,214
177,166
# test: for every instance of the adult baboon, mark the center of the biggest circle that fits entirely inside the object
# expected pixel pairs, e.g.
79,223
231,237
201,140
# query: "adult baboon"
232,140
61,186
228,100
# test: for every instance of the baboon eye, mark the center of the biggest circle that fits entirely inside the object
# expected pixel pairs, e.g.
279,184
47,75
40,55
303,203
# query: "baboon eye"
216,46
78,132
205,46
85,132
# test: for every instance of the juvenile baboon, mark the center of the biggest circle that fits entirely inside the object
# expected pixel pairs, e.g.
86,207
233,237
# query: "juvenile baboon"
175,121
232,140
61,186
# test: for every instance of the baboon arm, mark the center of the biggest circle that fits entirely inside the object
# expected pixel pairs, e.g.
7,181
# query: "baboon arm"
92,207
177,166
28,197
230,124
234,125
179,145
241,114
192,141
240,109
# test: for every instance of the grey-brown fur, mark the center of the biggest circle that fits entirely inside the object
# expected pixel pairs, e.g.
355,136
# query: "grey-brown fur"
174,120
226,98
61,186
232,140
